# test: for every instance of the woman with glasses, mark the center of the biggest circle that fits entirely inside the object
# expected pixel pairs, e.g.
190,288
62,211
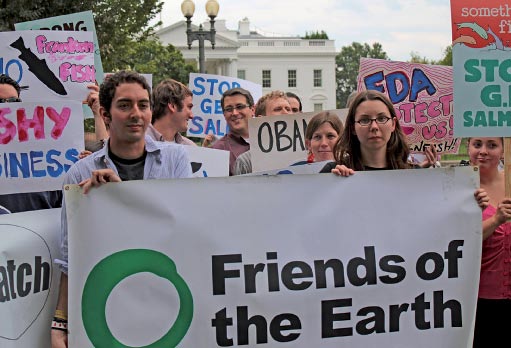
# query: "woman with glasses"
494,299
372,138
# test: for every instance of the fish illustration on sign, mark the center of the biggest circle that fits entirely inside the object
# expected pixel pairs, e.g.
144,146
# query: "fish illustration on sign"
498,42
464,39
475,27
38,67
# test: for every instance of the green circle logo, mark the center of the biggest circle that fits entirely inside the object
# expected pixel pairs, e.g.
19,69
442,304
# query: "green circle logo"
111,271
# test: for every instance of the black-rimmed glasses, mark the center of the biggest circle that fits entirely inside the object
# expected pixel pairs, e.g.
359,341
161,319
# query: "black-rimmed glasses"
10,100
366,122
239,107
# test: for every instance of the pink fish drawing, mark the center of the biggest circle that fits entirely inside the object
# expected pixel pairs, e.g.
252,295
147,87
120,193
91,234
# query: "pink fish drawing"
464,39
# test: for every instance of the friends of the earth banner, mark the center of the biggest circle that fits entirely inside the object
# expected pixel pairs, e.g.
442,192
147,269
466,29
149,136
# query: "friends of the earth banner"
301,260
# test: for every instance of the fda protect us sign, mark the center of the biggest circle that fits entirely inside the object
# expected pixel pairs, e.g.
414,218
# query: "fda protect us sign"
294,266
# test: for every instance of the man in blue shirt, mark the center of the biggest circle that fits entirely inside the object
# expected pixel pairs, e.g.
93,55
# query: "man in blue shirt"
125,106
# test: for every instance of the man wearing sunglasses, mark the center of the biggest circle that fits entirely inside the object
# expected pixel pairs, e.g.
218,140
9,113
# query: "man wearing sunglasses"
18,202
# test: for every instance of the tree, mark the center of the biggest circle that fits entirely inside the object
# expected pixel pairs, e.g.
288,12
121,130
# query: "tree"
347,66
416,58
150,56
316,35
118,22
447,59
12,12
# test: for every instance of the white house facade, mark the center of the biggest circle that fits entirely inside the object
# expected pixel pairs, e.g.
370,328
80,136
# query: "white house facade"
304,67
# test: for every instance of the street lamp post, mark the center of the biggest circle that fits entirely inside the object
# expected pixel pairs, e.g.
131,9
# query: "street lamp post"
188,8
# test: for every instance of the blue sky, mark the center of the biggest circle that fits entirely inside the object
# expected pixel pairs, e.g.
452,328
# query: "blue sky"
401,26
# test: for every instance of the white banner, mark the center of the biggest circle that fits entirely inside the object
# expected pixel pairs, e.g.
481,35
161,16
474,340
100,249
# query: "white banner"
289,260
38,145
208,162
51,65
29,281
208,117
302,168
279,141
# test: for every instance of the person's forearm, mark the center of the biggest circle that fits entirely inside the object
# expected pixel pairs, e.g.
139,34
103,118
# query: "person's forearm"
100,128
489,226
62,299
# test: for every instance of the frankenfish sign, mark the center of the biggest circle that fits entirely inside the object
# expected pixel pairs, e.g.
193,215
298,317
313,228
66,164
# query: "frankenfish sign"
81,21
481,34
51,65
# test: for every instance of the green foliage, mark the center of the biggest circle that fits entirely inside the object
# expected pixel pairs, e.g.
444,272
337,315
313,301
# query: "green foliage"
126,40
150,56
120,23
88,125
416,58
316,35
447,59
27,10
347,64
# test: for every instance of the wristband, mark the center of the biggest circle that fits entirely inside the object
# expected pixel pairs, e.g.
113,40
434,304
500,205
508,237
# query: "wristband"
60,314
59,324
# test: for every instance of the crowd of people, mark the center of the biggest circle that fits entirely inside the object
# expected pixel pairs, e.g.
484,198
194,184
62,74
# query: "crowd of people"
139,137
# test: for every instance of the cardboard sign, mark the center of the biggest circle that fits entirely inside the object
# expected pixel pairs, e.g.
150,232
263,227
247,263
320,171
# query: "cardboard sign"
207,110
301,168
208,162
296,265
422,98
29,280
51,65
81,21
39,143
279,141
481,34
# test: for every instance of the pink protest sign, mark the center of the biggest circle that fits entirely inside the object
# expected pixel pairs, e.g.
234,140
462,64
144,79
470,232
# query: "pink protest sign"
49,65
422,96
40,141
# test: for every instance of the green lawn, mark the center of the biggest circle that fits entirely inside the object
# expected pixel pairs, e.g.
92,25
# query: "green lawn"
462,153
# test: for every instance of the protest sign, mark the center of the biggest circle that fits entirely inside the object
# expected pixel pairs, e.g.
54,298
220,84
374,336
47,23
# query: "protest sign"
49,65
279,141
207,110
39,144
29,280
297,264
422,98
207,162
81,21
481,34
301,168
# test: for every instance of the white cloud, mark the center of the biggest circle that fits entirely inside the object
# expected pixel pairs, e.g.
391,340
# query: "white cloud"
400,26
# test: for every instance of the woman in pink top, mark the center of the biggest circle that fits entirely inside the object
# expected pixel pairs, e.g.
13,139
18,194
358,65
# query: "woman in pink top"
494,303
